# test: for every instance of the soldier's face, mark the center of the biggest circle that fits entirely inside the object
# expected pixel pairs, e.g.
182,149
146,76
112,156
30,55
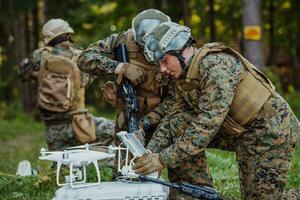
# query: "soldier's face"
169,64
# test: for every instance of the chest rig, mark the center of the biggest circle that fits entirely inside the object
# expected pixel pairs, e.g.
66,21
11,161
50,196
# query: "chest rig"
150,92
251,93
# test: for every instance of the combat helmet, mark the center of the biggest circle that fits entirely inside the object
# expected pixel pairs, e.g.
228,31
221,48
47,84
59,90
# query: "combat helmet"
168,37
54,28
146,20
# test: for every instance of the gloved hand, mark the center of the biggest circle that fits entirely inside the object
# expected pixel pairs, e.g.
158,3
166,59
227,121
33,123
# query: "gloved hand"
144,124
148,164
135,74
141,136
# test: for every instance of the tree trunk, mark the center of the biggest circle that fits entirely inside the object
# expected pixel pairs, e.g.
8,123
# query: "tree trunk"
271,61
252,17
26,43
35,28
296,51
212,26
186,13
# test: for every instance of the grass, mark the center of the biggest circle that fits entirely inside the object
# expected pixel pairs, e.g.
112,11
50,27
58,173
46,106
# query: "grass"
22,138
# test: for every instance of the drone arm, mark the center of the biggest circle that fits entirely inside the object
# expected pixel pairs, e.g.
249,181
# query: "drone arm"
97,170
57,173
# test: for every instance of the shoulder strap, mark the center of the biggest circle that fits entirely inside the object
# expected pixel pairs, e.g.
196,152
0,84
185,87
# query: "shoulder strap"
46,49
193,72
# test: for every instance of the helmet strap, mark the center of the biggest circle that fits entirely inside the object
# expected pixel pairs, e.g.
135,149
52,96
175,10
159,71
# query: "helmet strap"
178,53
59,39
180,58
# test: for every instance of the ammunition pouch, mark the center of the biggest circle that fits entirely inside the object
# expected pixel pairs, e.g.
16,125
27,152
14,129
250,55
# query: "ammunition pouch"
84,127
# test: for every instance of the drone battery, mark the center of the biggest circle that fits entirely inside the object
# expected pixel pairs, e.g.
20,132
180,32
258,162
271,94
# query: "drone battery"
114,191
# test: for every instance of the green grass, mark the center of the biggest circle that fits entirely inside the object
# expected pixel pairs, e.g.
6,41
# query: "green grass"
22,138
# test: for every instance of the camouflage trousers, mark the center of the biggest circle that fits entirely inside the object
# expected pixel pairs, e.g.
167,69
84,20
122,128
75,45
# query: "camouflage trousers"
194,170
263,152
61,136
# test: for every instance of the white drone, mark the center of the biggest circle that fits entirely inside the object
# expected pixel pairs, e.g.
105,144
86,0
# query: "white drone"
77,160
78,157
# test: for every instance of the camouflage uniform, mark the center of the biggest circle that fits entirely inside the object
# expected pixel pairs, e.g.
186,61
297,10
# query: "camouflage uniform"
263,151
58,131
100,59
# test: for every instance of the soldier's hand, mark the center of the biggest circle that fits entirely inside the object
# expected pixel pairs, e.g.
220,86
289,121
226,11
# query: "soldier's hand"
148,164
134,73
141,136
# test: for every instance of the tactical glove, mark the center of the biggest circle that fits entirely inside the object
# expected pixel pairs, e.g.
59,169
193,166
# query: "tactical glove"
148,164
134,73
141,136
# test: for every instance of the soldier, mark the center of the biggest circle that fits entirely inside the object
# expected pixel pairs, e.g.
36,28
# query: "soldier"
61,88
233,106
100,58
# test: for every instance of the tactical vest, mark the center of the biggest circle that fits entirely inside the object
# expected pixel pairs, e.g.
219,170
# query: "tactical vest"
149,93
59,87
251,93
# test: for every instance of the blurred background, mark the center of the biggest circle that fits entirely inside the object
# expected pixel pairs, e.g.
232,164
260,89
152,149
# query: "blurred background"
266,32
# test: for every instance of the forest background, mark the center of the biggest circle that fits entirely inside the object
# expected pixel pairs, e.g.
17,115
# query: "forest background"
275,50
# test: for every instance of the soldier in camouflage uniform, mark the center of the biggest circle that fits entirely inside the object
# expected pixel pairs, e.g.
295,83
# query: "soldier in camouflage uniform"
100,58
233,106
59,133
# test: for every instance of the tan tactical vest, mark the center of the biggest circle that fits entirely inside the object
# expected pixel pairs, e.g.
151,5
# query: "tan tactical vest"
149,92
251,93
59,89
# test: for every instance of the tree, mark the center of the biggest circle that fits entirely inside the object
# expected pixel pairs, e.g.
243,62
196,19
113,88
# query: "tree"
212,26
252,17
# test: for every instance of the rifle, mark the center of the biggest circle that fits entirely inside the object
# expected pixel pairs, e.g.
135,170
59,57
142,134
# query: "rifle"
195,191
128,94
130,102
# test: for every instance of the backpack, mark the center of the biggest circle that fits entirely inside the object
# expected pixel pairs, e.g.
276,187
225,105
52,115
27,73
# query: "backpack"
59,82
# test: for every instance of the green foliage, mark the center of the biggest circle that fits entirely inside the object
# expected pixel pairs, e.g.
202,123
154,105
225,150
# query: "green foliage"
224,172
293,98
36,187
15,123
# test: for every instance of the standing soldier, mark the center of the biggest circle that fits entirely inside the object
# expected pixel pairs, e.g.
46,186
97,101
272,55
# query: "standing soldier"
101,58
61,90
234,107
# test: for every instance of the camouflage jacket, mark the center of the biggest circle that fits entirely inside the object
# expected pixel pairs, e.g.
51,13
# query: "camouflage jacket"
100,59
210,100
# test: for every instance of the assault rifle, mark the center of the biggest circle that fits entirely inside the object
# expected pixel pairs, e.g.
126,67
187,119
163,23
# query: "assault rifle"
199,192
128,94
131,104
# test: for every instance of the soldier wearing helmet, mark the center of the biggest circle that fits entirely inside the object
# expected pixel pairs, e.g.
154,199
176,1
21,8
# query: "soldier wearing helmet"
100,58
61,89
233,107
